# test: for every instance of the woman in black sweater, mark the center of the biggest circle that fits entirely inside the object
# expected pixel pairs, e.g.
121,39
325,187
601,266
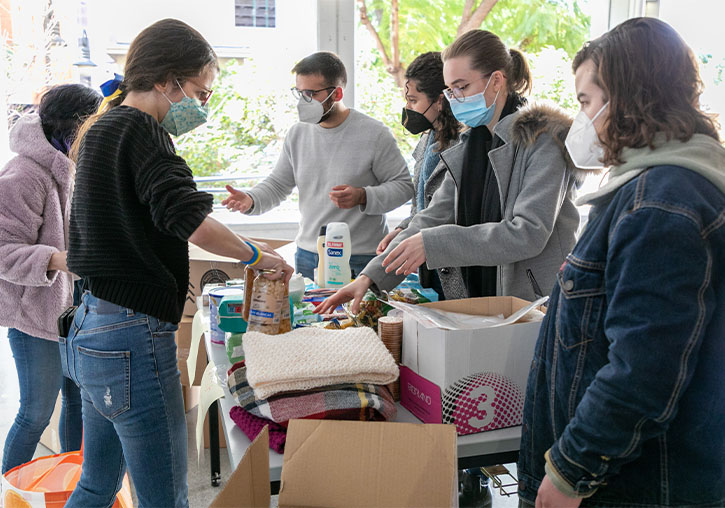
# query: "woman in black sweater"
135,207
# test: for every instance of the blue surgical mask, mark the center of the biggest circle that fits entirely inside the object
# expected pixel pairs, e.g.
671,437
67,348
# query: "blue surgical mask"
185,115
474,111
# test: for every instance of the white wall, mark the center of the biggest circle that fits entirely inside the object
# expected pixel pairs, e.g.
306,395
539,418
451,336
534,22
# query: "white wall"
273,50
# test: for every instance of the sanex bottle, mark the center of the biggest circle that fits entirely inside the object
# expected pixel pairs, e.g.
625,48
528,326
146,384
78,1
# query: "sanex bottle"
338,249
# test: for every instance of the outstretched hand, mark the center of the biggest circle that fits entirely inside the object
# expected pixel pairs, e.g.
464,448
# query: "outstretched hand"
406,257
237,200
354,291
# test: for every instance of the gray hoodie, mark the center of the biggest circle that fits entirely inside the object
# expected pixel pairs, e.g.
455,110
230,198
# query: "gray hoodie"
701,154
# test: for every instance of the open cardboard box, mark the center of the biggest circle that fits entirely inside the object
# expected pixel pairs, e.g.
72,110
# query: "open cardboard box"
207,268
473,378
341,463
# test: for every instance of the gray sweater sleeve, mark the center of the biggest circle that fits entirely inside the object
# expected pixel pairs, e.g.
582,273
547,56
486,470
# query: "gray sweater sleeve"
276,187
441,210
525,234
390,169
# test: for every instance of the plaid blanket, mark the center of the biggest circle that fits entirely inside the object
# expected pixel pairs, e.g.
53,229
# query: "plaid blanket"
337,402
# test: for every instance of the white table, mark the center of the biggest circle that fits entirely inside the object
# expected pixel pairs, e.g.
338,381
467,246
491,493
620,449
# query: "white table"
474,450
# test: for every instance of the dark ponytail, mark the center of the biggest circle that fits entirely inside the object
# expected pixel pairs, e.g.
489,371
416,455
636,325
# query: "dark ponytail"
168,49
519,74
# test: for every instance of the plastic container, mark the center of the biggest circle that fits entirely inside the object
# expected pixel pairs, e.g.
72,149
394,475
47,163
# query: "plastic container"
215,299
235,350
320,273
297,287
265,310
338,248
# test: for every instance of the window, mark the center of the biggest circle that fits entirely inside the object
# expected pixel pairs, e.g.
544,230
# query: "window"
259,13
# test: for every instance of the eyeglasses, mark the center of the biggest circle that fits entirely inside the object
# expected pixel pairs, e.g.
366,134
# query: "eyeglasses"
457,92
308,95
202,96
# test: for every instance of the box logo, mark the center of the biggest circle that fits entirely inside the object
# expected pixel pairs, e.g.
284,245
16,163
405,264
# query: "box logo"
334,253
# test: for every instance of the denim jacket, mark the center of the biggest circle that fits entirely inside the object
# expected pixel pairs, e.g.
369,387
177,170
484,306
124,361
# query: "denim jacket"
625,393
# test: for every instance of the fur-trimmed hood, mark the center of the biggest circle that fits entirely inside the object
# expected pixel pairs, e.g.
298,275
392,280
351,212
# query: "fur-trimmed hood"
527,124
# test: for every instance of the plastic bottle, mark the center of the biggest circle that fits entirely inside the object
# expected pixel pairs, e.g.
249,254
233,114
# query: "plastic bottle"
338,249
320,276
297,288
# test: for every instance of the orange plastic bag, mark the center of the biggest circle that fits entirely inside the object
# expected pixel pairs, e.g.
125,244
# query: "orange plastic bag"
47,482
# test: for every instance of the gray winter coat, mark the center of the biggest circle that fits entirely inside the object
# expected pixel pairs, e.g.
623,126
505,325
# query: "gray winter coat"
450,277
539,219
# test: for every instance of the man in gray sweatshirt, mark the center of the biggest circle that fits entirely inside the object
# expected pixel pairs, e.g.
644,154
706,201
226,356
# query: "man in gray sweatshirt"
346,165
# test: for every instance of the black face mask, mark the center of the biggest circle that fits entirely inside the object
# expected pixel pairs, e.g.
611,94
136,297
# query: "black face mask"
415,122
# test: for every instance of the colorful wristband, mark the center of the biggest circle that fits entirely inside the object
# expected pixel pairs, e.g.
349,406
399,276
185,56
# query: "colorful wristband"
256,255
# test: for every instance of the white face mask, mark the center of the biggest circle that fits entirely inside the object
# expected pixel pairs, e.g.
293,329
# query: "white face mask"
313,111
582,142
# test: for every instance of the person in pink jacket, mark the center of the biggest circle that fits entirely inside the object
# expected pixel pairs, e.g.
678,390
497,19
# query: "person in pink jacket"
35,285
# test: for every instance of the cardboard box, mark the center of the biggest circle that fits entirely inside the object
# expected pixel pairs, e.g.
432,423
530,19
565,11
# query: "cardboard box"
208,268
183,348
51,437
342,463
473,378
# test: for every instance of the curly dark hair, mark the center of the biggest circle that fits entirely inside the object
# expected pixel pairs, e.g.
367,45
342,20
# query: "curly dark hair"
64,108
427,72
651,79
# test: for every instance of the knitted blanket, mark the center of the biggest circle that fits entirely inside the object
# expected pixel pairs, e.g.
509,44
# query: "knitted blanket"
308,358
338,402
252,425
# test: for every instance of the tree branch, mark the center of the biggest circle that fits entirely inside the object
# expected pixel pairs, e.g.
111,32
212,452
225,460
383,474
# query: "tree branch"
378,41
466,15
394,33
476,17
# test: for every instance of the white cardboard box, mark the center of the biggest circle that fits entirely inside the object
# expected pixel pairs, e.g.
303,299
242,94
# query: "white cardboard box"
473,378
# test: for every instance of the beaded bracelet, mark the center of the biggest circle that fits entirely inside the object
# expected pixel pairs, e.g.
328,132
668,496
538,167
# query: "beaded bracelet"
256,255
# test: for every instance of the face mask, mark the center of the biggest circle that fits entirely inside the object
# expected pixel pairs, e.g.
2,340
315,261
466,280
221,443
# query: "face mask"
582,142
474,111
313,111
185,115
415,122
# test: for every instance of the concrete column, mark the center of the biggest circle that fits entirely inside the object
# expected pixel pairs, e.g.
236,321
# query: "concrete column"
336,33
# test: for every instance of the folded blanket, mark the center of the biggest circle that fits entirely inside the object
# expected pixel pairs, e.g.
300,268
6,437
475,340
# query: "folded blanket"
252,425
308,358
365,402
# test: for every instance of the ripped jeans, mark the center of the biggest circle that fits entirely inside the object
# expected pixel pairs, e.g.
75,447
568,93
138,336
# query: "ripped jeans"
133,412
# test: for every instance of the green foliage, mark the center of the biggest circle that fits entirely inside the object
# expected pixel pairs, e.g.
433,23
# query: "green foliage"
528,24
424,25
378,96
532,25
553,78
245,129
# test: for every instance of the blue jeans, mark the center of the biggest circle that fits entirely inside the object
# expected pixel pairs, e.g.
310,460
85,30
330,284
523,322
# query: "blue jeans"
40,377
133,411
306,262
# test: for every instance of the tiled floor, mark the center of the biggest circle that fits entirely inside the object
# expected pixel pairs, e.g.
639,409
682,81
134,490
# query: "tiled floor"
201,493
